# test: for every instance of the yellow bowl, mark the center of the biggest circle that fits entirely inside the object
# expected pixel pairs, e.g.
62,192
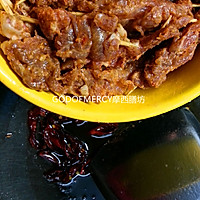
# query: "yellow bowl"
182,86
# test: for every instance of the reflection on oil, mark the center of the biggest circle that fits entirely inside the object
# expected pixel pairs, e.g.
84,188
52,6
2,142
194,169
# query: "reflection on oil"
158,170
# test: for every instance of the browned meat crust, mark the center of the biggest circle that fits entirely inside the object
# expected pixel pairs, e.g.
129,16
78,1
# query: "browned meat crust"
31,59
89,82
177,54
53,21
75,41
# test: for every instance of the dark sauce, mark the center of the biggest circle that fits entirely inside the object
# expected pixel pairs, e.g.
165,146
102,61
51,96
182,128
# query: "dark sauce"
54,139
103,130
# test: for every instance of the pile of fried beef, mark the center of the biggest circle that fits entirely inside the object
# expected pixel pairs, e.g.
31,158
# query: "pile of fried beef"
97,47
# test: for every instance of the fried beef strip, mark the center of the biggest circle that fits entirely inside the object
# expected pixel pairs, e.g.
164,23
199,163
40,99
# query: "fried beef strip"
106,47
161,14
150,41
170,58
32,60
76,41
94,82
52,21
113,81
71,34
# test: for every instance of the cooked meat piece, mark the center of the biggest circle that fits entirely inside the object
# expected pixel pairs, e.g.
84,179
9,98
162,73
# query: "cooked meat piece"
32,60
71,82
177,54
108,46
160,15
76,41
90,82
79,5
64,41
43,3
52,21
12,27
72,34
150,41
98,38
112,81
70,5
138,79
169,31
106,22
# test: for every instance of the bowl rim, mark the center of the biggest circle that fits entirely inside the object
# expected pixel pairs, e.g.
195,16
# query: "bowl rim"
84,115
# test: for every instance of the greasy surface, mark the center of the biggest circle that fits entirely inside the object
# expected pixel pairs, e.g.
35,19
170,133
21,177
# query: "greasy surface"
157,159
99,47
168,59
21,171
31,59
